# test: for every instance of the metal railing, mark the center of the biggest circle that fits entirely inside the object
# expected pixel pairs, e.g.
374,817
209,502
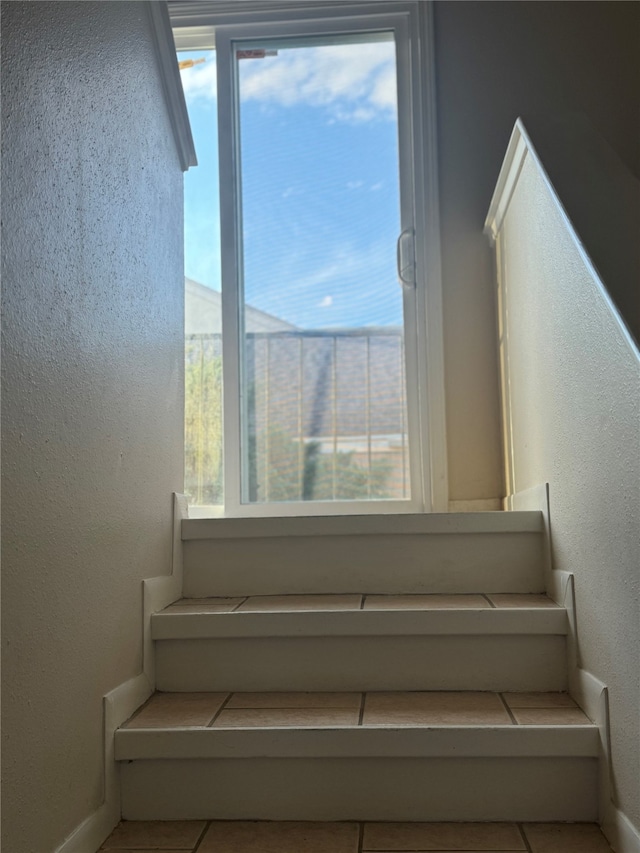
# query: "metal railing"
325,413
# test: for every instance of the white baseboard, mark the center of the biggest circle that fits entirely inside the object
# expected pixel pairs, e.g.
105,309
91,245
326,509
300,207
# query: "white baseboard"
588,691
623,836
121,702
118,705
478,505
161,591
536,498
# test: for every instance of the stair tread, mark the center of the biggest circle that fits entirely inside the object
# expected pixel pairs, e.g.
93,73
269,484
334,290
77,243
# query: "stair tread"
356,601
364,525
298,616
343,837
372,709
352,725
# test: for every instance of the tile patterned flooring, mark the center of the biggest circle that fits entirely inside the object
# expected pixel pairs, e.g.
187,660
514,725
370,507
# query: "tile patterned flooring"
297,603
330,710
307,837
238,710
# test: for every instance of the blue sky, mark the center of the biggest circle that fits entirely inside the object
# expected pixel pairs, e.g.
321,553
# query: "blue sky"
320,184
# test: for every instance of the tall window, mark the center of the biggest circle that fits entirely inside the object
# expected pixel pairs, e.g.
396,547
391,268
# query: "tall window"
303,287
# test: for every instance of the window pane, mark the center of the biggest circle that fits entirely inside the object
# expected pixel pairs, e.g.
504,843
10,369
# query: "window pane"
203,329
324,401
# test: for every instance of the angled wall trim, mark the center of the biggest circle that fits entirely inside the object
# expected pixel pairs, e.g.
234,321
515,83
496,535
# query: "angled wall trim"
121,702
519,148
589,692
171,83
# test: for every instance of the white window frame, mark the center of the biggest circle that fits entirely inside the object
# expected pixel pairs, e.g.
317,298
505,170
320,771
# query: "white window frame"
195,26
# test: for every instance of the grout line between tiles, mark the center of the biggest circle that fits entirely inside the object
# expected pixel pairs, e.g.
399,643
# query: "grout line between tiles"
449,850
486,597
524,838
363,697
360,830
139,710
508,709
207,824
362,600
219,711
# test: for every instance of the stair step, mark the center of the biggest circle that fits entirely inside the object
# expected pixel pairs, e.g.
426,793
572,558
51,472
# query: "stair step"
358,642
319,756
428,553
362,525
352,837
358,615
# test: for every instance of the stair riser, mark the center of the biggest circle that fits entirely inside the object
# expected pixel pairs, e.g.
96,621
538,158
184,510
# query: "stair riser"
509,663
413,563
460,789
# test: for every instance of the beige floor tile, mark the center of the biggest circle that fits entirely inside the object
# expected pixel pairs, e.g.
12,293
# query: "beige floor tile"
204,605
550,717
437,708
295,700
288,837
165,835
539,700
260,603
566,838
521,600
385,837
424,602
287,717
178,709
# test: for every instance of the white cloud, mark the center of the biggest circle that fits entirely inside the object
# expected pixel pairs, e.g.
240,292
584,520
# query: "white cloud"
355,82
292,191
354,185
326,302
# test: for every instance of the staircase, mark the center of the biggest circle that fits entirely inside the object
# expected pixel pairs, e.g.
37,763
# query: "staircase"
405,668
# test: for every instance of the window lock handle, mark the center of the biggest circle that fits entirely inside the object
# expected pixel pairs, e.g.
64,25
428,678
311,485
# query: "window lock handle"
405,259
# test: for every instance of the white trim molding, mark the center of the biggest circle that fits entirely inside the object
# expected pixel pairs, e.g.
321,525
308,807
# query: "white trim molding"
119,705
520,147
622,834
121,702
171,83
431,245
588,691
195,26
161,591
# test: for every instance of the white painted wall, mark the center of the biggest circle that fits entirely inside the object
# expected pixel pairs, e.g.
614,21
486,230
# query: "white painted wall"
496,61
92,278
574,380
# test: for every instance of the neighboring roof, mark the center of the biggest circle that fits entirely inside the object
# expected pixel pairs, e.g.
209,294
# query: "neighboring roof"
203,313
342,380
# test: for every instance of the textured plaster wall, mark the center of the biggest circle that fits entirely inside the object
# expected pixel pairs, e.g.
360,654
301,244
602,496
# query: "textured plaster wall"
575,396
91,408
496,61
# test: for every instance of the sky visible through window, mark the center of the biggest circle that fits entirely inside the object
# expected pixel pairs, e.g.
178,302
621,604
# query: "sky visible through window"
320,183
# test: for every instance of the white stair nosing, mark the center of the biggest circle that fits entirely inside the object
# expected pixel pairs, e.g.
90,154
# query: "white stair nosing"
504,621
581,741
363,525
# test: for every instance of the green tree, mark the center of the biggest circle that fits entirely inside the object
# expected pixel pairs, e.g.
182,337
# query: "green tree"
203,423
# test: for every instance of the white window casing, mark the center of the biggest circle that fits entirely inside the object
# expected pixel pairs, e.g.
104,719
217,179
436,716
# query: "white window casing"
203,25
